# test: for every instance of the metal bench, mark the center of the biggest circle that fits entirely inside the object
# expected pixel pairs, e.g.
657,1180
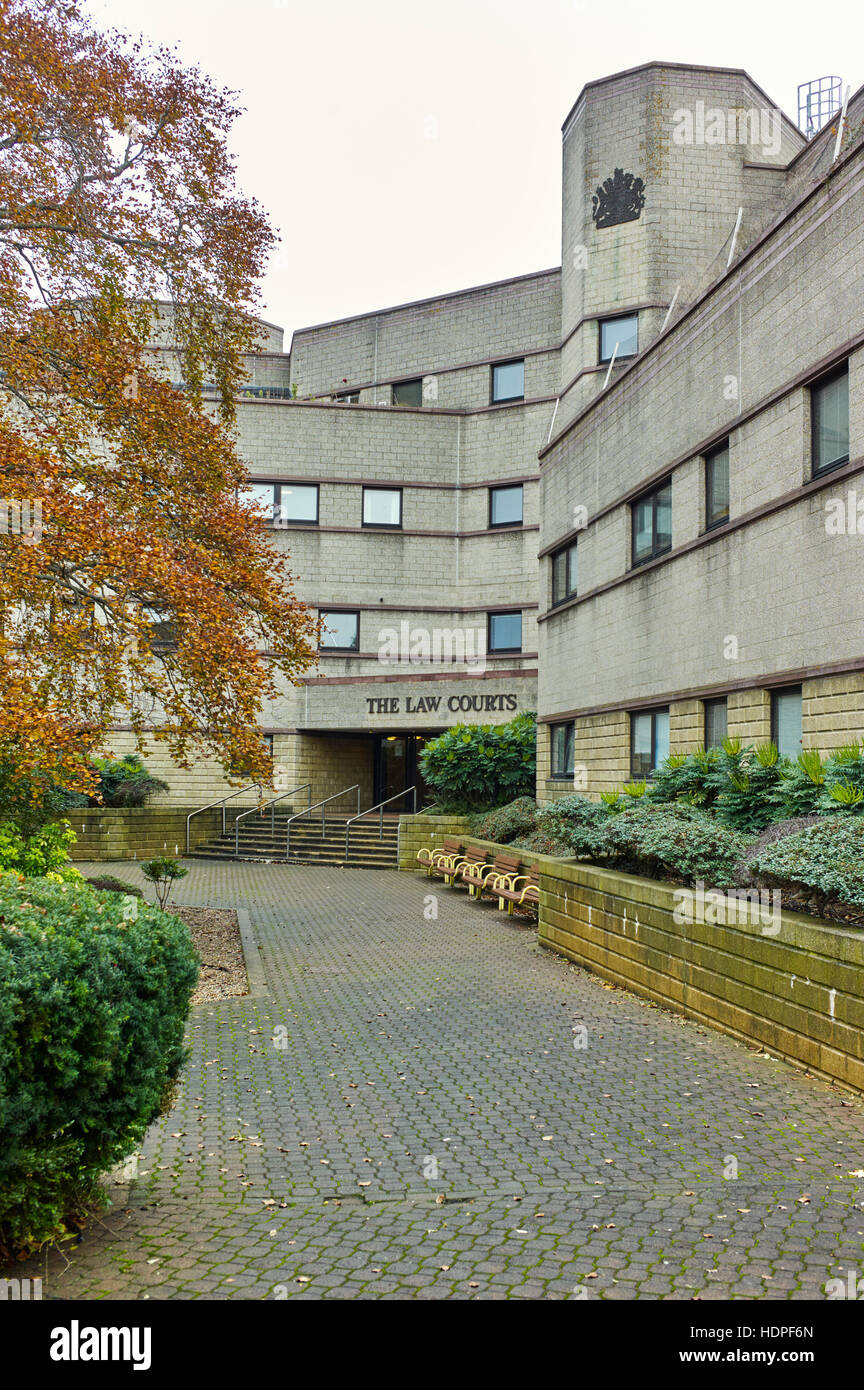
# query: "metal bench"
482,877
506,889
442,861
473,862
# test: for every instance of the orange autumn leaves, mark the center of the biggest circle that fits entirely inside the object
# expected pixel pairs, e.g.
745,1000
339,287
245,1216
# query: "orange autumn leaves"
151,596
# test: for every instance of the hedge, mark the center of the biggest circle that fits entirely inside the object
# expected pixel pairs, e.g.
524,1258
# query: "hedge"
94,992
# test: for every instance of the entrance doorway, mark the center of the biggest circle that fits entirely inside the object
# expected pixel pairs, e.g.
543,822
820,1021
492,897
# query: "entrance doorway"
396,768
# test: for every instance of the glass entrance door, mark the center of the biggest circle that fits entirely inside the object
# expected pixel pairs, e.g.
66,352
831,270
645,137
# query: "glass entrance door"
396,768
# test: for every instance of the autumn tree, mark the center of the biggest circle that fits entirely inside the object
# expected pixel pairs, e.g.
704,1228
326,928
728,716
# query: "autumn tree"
146,592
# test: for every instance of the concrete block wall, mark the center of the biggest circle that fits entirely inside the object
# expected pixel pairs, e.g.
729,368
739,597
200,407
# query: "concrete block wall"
799,993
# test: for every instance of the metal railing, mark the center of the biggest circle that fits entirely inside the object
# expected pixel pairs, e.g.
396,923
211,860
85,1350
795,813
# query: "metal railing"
321,804
380,809
268,806
210,805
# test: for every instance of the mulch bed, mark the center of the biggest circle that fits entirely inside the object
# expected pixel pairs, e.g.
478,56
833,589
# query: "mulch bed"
215,934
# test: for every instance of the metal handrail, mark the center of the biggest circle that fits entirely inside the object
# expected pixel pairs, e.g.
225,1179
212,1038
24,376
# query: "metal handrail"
322,804
268,806
380,809
221,802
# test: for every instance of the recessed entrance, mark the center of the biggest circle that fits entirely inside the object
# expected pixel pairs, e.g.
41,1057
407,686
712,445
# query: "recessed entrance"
396,768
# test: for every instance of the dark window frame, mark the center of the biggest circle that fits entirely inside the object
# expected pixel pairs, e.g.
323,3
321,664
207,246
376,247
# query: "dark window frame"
506,487
564,551
380,525
398,385
493,367
814,386
343,612
504,613
280,525
567,774
712,522
652,495
622,356
775,720
639,774
713,704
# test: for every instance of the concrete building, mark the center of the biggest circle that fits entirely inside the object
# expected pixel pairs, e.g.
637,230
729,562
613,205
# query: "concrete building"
609,491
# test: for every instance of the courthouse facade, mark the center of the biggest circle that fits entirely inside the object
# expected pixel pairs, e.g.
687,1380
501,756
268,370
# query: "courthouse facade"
620,492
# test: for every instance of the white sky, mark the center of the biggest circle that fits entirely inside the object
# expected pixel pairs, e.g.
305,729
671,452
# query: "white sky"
403,149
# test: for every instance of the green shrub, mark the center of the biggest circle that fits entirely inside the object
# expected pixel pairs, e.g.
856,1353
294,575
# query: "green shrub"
40,853
843,790
748,782
674,841
687,777
575,824
801,785
106,883
476,767
507,822
825,861
92,1010
163,873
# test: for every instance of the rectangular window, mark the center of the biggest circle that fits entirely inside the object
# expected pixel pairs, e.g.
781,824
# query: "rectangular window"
624,331
786,718
652,523
829,413
562,750
508,381
505,632
715,722
341,630
649,742
265,496
717,486
505,506
382,506
565,573
347,397
408,392
296,502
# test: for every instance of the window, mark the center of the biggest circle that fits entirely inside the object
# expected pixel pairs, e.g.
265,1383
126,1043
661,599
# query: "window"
786,720
296,502
265,495
717,486
624,331
341,630
505,506
652,523
505,632
649,742
565,573
508,381
715,722
562,750
408,392
829,414
382,506
347,397
284,503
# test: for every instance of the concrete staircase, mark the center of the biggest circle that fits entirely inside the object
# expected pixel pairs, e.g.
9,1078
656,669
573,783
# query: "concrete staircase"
258,841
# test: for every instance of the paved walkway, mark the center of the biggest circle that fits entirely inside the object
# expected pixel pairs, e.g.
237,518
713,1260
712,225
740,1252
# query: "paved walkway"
402,1113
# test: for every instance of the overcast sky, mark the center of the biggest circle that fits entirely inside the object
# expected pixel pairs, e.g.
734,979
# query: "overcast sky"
403,149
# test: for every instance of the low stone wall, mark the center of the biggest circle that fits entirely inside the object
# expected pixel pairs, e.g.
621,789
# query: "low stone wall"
138,832
417,832
799,992
790,983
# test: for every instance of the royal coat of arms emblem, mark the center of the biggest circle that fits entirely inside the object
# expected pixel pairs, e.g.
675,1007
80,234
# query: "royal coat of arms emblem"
619,199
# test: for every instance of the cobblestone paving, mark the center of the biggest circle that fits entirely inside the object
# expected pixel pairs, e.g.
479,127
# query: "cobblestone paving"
406,1112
